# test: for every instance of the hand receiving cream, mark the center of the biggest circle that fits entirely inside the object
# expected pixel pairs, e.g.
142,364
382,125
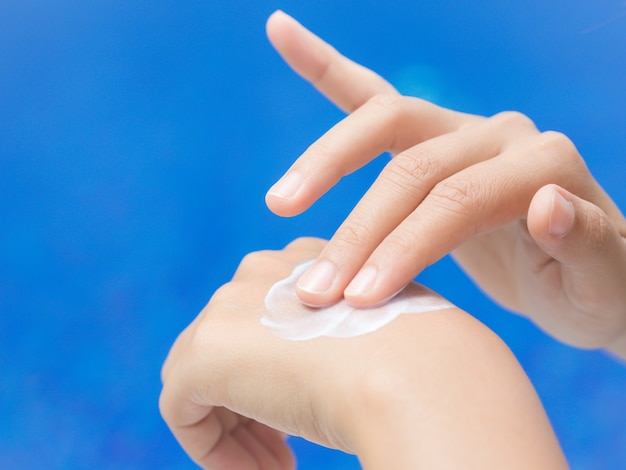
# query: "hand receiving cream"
288,318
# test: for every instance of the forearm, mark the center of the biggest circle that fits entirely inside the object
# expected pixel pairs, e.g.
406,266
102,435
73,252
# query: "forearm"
463,402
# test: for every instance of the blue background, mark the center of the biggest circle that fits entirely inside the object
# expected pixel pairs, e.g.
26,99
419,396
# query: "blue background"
137,140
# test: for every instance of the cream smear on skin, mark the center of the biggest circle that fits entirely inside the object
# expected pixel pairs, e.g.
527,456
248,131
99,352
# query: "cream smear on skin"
287,317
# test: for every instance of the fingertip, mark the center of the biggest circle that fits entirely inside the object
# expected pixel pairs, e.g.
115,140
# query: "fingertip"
362,284
287,187
273,20
293,194
282,198
319,285
371,299
281,207
279,15
278,12
561,220
368,289
318,279
551,213
315,300
318,299
276,24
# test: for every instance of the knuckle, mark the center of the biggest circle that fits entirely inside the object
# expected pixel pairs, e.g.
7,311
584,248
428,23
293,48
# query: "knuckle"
599,230
165,408
409,169
222,294
403,241
354,232
208,335
558,145
560,156
555,140
201,337
321,148
254,262
324,157
253,259
389,102
321,73
513,119
461,198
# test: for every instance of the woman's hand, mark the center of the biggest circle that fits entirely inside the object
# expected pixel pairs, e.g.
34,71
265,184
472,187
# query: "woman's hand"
435,388
517,207
231,390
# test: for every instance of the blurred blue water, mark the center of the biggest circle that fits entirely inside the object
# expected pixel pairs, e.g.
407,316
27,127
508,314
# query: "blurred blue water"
137,140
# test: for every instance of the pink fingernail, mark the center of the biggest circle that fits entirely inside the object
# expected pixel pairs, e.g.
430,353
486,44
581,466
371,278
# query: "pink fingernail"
561,216
319,278
363,282
287,186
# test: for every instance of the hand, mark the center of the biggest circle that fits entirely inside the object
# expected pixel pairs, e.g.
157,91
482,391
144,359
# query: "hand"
517,207
403,396
226,375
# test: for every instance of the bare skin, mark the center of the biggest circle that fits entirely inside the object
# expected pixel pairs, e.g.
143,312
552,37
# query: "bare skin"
431,390
516,207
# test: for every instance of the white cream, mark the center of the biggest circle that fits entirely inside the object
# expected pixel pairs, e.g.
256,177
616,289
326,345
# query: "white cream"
287,317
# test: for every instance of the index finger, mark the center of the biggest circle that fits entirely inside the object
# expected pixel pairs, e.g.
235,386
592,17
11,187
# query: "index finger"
344,82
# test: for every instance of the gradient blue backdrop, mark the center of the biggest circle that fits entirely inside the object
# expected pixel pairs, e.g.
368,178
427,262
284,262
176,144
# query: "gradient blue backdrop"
137,139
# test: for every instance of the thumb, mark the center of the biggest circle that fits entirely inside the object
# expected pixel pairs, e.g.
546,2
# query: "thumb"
573,231
591,256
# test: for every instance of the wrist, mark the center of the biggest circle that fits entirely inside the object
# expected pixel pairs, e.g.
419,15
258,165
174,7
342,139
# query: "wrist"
380,428
443,390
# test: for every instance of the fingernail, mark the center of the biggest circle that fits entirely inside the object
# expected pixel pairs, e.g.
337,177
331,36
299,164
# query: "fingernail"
287,186
561,216
319,278
363,282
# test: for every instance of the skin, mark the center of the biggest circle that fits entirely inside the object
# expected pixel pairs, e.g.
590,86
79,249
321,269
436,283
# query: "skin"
516,207
434,390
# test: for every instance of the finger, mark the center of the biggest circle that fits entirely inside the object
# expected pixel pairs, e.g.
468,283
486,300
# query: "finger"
478,199
263,268
203,431
383,123
215,437
248,439
273,443
194,425
341,80
236,449
400,188
591,253
199,436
